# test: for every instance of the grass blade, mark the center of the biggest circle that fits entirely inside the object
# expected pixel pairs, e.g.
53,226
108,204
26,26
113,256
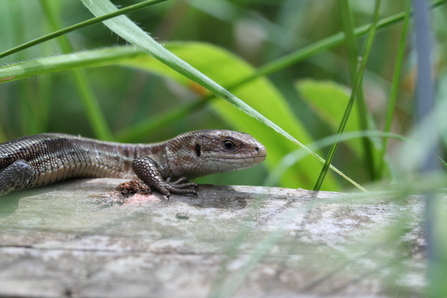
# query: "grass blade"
357,84
364,116
394,88
87,23
128,30
89,101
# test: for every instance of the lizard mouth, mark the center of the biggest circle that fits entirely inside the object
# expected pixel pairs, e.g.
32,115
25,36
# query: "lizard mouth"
260,158
234,163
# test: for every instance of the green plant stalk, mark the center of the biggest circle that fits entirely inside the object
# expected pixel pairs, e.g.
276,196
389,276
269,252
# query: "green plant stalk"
87,23
326,43
128,30
357,84
278,64
444,164
89,101
93,58
364,115
267,69
351,39
155,122
27,114
274,65
146,127
394,87
40,99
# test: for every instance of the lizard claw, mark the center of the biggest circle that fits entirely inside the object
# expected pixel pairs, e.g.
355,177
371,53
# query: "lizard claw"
180,187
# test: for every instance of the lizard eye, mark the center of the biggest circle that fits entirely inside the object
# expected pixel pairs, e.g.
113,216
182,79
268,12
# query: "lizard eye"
228,144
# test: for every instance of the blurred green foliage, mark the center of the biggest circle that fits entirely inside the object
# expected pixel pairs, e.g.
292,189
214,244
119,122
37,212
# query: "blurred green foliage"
102,88
253,31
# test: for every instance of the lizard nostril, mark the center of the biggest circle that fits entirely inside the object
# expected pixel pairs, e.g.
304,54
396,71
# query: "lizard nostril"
257,149
198,150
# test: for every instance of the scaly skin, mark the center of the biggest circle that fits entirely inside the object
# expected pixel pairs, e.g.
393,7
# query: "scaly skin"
167,166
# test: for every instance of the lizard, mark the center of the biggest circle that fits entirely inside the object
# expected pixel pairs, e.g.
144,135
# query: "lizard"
167,167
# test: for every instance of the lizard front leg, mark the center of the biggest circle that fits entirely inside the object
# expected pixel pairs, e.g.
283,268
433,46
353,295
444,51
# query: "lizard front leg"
15,177
149,172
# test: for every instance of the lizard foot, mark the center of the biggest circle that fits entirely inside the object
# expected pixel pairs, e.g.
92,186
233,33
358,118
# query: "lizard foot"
149,172
179,187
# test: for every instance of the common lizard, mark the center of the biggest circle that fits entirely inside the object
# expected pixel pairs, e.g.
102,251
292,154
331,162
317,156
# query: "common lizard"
166,166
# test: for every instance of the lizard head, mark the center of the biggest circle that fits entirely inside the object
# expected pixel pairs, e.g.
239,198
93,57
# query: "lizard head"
205,152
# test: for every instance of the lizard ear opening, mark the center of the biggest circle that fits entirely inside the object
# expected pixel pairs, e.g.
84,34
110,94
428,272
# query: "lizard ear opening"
198,150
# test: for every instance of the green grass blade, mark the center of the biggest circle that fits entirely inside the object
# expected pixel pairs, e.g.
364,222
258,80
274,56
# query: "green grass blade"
128,30
357,84
326,43
8,74
109,56
293,157
395,87
87,23
364,116
225,67
79,60
222,66
351,39
94,114
14,72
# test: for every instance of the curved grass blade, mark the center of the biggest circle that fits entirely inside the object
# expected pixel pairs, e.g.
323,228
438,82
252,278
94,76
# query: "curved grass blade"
222,66
293,157
128,30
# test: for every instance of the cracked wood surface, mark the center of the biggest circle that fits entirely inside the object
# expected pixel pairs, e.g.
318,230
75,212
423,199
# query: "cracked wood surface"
244,240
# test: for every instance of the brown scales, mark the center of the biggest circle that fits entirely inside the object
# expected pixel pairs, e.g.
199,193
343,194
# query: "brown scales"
167,166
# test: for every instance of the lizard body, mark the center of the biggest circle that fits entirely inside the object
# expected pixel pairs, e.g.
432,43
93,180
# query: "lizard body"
166,166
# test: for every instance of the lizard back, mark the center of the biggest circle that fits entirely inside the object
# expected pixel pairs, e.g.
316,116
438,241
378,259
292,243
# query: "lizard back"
55,157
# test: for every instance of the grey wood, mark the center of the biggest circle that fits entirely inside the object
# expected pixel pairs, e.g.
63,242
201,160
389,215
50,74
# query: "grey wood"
240,241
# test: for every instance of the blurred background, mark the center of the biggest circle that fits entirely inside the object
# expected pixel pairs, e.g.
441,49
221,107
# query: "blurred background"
256,31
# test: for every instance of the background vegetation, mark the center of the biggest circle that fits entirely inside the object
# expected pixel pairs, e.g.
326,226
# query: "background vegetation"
301,64
132,100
